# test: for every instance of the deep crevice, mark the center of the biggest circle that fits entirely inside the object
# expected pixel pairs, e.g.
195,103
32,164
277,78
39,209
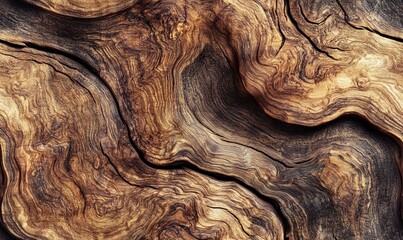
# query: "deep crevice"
67,55
178,165
118,172
346,19
185,165
13,45
296,25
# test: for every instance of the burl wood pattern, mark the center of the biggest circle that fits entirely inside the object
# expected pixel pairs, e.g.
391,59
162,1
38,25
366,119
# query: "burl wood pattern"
194,119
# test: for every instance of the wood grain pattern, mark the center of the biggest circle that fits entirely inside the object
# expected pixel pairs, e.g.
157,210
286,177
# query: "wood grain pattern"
201,119
83,9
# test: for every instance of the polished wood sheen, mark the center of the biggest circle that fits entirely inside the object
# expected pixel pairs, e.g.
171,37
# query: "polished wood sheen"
194,119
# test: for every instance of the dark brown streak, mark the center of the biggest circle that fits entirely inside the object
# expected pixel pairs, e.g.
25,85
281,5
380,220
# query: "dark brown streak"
346,18
177,165
295,23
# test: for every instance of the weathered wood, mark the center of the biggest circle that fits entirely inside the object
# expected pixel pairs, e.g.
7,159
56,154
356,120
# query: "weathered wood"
201,119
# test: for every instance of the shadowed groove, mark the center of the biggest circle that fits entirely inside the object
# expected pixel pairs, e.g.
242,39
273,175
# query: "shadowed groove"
176,119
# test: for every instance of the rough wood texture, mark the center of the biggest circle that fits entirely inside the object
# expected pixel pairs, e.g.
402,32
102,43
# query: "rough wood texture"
197,119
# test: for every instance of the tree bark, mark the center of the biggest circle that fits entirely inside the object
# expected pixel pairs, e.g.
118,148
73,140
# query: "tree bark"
192,119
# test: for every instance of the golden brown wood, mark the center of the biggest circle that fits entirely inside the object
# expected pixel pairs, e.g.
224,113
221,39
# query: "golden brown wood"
201,119
83,9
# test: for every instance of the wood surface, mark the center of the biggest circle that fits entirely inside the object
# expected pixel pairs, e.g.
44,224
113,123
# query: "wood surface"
194,119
